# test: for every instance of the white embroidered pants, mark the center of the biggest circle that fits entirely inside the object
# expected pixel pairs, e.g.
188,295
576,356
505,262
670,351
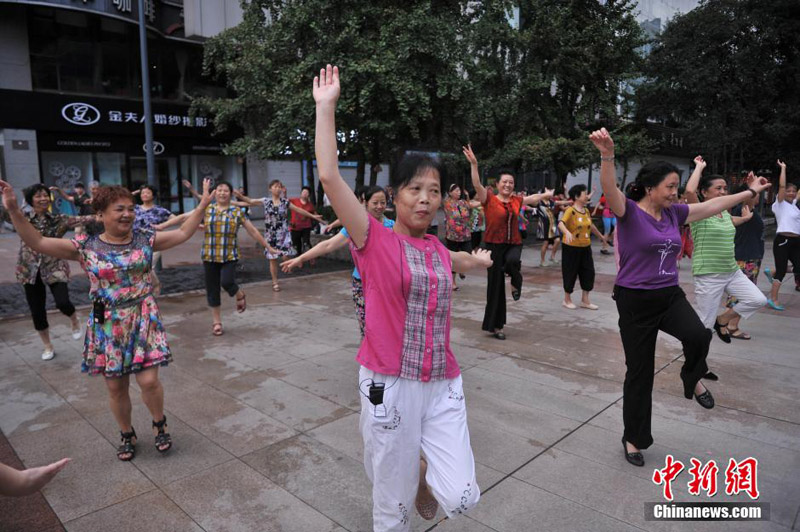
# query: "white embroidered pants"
426,417
709,289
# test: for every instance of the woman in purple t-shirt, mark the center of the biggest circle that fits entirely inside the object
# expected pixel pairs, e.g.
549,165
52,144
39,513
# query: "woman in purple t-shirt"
647,293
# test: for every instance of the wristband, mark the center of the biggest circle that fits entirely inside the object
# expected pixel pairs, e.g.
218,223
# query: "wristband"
753,192
609,158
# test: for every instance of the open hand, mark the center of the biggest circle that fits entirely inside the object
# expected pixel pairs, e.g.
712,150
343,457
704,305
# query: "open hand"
9,198
746,212
568,238
187,184
40,476
483,257
208,194
603,142
470,155
291,264
548,193
326,85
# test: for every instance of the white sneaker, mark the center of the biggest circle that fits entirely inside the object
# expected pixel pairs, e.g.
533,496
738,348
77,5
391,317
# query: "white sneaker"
77,334
544,264
48,354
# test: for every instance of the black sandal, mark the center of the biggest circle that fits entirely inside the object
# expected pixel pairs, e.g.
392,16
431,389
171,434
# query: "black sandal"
127,446
162,438
726,337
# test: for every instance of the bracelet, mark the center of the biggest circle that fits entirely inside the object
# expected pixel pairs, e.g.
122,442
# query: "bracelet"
753,192
609,158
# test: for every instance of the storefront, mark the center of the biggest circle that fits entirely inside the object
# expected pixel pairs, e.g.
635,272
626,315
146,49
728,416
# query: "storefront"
85,139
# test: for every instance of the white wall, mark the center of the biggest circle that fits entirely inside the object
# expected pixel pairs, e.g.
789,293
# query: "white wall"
581,177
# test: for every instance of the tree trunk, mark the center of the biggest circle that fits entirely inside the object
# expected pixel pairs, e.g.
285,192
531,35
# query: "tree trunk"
373,174
310,177
360,170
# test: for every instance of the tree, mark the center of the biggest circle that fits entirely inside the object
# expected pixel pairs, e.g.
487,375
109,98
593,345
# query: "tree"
399,63
728,72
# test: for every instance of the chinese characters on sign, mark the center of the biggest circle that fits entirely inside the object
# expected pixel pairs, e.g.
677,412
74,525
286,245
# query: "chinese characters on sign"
739,477
159,119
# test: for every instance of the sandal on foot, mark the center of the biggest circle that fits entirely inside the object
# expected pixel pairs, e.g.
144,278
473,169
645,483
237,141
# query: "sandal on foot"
739,335
127,447
425,503
163,439
725,337
276,287
217,329
775,306
241,303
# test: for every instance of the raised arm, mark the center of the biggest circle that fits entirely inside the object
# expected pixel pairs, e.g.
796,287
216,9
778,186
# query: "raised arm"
475,176
171,239
55,247
63,194
701,211
694,180
608,171
190,188
351,212
247,201
323,248
781,182
173,220
534,199
303,212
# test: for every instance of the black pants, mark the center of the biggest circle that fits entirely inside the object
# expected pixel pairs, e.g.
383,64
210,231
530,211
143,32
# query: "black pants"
220,273
577,263
36,294
506,259
476,239
642,313
785,249
301,238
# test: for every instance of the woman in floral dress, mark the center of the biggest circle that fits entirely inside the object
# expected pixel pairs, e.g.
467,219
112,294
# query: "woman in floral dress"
276,225
458,234
36,271
148,215
125,334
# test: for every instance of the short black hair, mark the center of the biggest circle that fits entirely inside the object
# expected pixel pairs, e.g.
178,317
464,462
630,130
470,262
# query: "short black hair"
506,171
371,191
151,189
31,191
223,183
79,185
412,165
576,191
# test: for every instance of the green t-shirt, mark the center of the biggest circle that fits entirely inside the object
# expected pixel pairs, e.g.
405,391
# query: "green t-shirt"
713,245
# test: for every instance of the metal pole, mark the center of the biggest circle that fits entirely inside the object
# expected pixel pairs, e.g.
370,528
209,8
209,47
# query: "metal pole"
148,111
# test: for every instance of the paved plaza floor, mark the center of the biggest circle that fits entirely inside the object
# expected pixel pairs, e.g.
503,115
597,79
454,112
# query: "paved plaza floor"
265,418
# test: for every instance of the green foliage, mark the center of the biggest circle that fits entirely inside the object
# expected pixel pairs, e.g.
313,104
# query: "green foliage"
728,72
427,75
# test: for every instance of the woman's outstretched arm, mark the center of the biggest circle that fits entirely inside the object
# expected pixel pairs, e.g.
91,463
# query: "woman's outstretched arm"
352,214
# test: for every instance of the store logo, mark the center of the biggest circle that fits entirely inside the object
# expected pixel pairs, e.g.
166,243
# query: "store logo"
80,114
158,148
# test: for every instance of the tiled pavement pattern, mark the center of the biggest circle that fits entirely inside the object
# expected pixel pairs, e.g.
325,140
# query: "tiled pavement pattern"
265,417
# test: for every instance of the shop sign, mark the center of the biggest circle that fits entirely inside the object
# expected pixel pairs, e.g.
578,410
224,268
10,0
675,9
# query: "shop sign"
158,148
80,114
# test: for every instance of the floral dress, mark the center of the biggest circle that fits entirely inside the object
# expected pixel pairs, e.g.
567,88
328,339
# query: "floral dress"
276,224
131,336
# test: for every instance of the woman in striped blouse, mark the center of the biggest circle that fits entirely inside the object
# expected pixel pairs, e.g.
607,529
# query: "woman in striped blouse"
713,262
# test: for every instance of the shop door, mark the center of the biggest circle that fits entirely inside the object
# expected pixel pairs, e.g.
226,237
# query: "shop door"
167,176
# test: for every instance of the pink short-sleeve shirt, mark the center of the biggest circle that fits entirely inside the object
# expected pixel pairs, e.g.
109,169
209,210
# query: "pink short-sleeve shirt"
407,291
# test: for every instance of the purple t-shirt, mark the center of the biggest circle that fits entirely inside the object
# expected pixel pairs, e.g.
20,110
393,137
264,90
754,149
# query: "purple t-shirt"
648,248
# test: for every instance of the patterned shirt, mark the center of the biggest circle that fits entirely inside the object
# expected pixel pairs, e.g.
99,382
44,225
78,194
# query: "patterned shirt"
147,218
457,228
580,225
407,291
30,263
220,243
477,221
502,225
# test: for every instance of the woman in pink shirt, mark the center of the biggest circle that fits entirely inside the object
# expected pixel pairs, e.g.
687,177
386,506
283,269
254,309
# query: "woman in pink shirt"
412,397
